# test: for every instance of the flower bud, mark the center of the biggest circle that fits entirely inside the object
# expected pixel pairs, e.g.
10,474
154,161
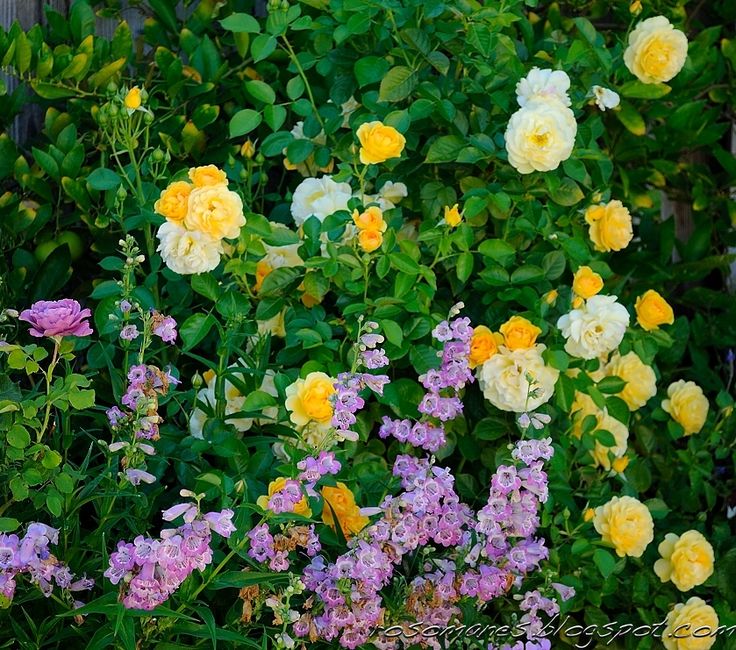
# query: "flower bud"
248,150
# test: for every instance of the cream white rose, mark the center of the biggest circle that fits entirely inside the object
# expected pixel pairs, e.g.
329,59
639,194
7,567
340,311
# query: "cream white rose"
319,197
596,328
656,50
605,98
504,379
543,84
540,136
188,251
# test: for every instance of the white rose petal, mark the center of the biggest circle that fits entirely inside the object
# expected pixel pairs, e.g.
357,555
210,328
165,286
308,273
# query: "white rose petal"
605,98
596,328
543,84
319,197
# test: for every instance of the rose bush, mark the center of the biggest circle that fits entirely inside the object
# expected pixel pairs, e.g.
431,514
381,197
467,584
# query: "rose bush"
328,323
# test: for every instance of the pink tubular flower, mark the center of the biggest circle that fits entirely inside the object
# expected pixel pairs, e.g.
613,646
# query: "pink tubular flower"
56,318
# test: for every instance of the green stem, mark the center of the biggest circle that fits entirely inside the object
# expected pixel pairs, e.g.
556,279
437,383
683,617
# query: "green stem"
303,75
49,374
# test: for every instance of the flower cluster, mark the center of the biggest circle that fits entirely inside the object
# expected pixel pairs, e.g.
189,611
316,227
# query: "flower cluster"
371,227
150,570
199,215
140,419
440,402
276,548
30,555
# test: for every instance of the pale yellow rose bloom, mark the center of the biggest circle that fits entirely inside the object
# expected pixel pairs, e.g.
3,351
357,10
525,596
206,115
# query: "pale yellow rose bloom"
340,503
691,626
641,382
687,560
174,201
519,333
216,211
379,142
610,226
207,175
652,311
656,50
308,399
687,405
302,508
483,345
586,283
626,524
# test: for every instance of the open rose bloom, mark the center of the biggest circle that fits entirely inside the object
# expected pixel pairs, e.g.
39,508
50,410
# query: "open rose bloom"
54,318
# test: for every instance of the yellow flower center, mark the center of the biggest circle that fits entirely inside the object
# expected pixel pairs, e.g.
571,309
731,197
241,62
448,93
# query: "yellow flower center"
540,140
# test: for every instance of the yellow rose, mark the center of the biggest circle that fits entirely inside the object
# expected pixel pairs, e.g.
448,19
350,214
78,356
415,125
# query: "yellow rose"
174,201
620,464
216,211
302,508
133,99
207,175
340,503
519,333
379,142
690,626
371,219
610,226
551,297
652,311
588,514
586,282
483,345
641,382
656,51
687,405
687,560
263,268
308,399
453,217
370,240
625,523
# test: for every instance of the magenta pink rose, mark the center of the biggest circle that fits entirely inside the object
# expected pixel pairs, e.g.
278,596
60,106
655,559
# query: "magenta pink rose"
56,318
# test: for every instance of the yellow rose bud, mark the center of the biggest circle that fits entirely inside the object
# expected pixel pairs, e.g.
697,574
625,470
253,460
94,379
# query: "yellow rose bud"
551,297
207,175
308,399
586,282
302,508
519,333
588,514
248,150
687,560
263,268
453,217
577,302
340,504
483,345
626,524
133,99
174,201
370,240
687,405
652,311
656,51
635,7
620,464
641,382
684,620
371,219
610,226
378,142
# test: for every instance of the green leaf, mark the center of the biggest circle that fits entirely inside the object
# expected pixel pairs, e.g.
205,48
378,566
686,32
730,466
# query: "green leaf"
491,429
260,91
554,264
611,385
262,47
103,179
51,459
445,149
244,122
241,22
464,266
82,399
299,150
206,285
497,250
397,84
18,437
195,328
605,562
404,263
630,118
567,192
637,90
82,20
370,69
8,524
